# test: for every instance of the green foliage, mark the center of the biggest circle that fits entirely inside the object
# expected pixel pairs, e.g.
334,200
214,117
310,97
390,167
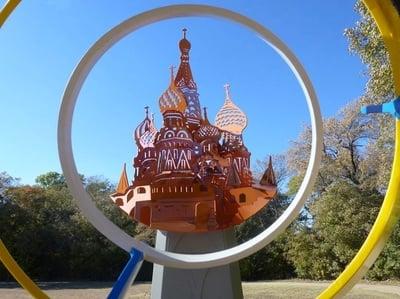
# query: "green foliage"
354,173
51,179
366,42
343,216
51,240
271,261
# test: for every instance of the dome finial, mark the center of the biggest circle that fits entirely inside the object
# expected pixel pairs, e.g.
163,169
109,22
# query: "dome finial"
184,30
171,68
206,121
227,87
147,111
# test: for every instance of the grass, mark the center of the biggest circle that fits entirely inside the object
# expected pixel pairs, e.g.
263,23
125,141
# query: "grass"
252,290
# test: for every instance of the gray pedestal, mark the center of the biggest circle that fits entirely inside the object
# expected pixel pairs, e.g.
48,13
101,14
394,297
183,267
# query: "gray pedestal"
219,282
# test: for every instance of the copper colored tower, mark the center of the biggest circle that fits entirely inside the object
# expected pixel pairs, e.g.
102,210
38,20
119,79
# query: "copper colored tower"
191,175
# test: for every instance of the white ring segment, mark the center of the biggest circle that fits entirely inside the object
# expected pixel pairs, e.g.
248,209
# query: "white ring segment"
113,232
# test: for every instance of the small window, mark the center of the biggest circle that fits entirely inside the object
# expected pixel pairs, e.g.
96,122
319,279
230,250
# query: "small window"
141,190
242,197
129,196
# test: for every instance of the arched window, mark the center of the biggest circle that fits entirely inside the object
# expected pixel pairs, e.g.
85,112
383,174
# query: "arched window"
183,134
242,197
141,190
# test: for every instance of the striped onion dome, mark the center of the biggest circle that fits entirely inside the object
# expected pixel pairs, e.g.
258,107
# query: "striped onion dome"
230,118
145,132
207,130
172,99
148,138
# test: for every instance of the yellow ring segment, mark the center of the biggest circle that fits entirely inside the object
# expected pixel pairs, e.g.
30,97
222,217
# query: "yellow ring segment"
7,10
388,21
19,274
5,257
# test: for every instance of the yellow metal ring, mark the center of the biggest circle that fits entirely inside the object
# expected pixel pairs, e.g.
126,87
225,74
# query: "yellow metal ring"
5,257
19,274
7,10
388,20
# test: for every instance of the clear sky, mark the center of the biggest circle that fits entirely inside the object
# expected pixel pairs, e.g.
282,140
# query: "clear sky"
43,40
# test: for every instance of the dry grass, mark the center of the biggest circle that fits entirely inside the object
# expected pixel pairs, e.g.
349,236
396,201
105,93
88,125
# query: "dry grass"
252,290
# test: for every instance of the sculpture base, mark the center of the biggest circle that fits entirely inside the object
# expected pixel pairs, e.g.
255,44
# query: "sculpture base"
218,282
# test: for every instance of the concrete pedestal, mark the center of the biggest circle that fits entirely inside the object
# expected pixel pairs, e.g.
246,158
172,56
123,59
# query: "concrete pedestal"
220,282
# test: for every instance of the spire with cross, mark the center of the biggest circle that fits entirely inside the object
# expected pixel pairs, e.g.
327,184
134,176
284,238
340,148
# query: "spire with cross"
171,68
227,87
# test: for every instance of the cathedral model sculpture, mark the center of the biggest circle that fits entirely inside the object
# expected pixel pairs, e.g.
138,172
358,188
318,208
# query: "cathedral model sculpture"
191,175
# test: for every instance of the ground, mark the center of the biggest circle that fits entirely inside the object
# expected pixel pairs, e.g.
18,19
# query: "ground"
252,290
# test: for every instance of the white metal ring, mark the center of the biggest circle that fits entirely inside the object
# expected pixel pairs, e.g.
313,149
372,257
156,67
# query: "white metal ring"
113,232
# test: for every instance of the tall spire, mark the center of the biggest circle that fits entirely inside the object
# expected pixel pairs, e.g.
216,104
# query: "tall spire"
184,77
185,82
206,121
123,181
268,177
171,68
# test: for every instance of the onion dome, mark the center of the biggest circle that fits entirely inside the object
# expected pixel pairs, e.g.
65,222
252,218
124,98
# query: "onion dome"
148,138
207,130
184,44
172,98
145,132
230,118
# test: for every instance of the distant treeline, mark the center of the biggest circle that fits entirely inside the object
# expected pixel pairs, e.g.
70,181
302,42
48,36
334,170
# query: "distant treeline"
42,226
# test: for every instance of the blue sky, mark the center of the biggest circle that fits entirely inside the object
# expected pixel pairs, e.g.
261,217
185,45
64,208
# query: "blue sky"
43,41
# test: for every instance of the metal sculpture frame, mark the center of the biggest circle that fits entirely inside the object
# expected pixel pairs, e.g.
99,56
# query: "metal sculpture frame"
388,21
109,229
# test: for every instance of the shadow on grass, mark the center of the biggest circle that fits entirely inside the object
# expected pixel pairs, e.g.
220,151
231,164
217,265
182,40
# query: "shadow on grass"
60,285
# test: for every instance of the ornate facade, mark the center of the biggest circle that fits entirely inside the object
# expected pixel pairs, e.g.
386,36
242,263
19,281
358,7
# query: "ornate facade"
191,175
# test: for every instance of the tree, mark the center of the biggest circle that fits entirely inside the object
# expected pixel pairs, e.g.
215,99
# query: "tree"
366,42
343,216
354,172
270,262
6,181
49,237
51,179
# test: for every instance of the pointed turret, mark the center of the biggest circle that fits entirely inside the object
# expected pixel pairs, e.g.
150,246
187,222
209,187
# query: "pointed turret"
123,181
268,178
185,82
184,77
